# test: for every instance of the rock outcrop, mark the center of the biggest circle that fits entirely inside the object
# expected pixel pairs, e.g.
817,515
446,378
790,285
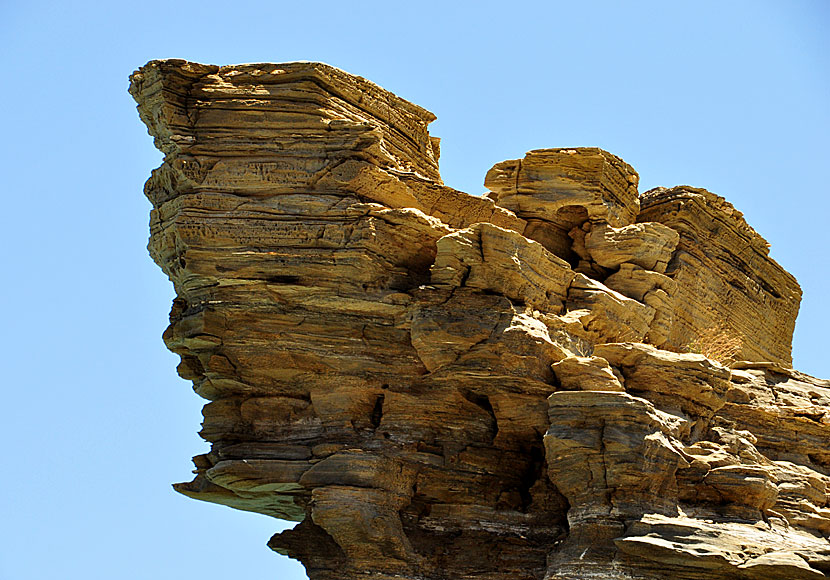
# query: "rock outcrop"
725,278
560,380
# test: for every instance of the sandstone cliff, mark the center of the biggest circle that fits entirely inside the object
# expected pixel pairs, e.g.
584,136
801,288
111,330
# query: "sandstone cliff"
563,379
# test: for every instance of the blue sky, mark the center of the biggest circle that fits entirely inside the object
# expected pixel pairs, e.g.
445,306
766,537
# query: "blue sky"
731,96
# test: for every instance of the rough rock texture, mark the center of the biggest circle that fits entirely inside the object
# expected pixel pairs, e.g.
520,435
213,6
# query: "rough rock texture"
435,385
557,189
725,277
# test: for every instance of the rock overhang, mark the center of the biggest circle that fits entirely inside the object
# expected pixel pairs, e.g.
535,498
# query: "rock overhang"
435,383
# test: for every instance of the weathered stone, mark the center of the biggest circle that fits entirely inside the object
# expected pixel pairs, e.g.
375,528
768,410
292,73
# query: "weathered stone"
725,277
498,260
548,183
788,412
688,385
652,289
603,315
555,190
648,245
682,547
587,374
637,283
435,387
610,454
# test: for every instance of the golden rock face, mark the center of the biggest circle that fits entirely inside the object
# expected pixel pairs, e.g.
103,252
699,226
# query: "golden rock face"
561,379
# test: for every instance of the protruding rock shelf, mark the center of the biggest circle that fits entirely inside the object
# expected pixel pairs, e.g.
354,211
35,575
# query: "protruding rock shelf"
559,380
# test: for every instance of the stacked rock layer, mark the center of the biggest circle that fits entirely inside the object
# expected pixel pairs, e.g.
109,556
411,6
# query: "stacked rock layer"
559,380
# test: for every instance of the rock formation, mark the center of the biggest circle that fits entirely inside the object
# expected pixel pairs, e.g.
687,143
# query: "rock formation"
562,379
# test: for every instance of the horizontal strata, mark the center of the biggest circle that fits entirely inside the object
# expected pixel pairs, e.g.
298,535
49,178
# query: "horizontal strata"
187,91
435,385
725,277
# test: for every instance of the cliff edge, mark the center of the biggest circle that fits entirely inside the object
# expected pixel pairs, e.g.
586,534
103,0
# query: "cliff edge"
563,379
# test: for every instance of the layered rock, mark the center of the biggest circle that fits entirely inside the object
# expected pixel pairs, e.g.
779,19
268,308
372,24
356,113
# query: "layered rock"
726,281
555,190
436,385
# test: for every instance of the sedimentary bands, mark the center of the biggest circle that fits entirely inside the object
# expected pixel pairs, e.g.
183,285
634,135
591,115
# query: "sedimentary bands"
563,379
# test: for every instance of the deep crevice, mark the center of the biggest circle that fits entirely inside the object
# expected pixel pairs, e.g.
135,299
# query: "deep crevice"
377,412
483,402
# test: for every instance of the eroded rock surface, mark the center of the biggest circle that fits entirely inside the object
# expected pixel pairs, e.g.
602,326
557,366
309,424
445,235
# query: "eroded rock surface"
725,277
436,385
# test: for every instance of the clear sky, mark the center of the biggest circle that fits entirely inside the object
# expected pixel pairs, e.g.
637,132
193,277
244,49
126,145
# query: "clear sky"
731,96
